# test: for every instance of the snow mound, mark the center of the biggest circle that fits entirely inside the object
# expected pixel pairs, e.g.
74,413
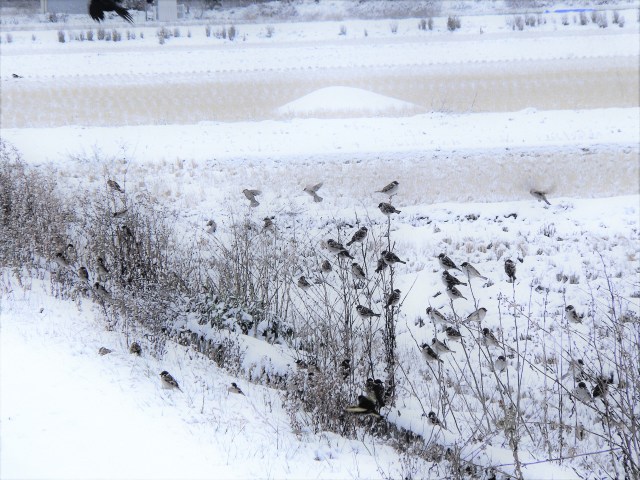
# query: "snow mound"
342,102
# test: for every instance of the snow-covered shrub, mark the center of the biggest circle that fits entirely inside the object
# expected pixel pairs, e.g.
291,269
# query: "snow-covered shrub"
176,32
207,30
270,30
422,25
116,36
101,34
453,23
584,20
232,32
9,38
343,30
601,20
61,36
393,26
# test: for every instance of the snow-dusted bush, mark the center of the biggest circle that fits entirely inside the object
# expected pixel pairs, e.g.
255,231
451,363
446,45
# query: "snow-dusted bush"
9,38
61,36
393,26
343,30
232,32
453,23
101,34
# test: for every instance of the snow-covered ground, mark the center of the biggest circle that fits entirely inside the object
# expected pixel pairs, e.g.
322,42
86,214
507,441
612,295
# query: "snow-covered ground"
464,173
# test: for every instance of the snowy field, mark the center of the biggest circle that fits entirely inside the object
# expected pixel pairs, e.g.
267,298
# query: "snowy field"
468,122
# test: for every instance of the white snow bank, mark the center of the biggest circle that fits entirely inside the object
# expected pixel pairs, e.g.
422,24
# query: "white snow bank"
346,101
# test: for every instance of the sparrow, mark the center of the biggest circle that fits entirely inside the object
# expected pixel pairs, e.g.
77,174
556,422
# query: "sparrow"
83,274
345,254
437,317
390,189
576,369
135,349
333,246
447,263
365,406
449,280
393,298
572,315
212,226
429,354
359,236
365,312
540,196
477,316
433,419
313,191
453,334
381,265
325,266
489,339
303,283
510,270
61,260
101,291
440,347
390,258
234,388
471,271
104,351
98,7
374,391
500,365
602,387
168,382
268,224
15,75
387,209
454,293
345,366
357,271
581,392
251,196
120,213
103,271
113,185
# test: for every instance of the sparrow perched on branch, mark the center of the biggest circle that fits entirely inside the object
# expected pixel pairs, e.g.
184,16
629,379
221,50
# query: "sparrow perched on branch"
357,271
387,209
168,382
489,339
429,353
390,258
325,266
453,334
313,191
61,260
393,298
365,406
268,224
437,317
581,392
104,351
510,270
303,283
333,246
103,271
365,312
440,347
135,349
345,254
477,316
454,293
391,189
101,291
572,315
381,265
359,236
434,420
251,196
540,196
449,280
447,263
83,274
113,185
234,388
500,364
471,271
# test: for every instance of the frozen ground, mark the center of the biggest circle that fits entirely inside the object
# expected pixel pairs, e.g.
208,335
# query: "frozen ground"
553,107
